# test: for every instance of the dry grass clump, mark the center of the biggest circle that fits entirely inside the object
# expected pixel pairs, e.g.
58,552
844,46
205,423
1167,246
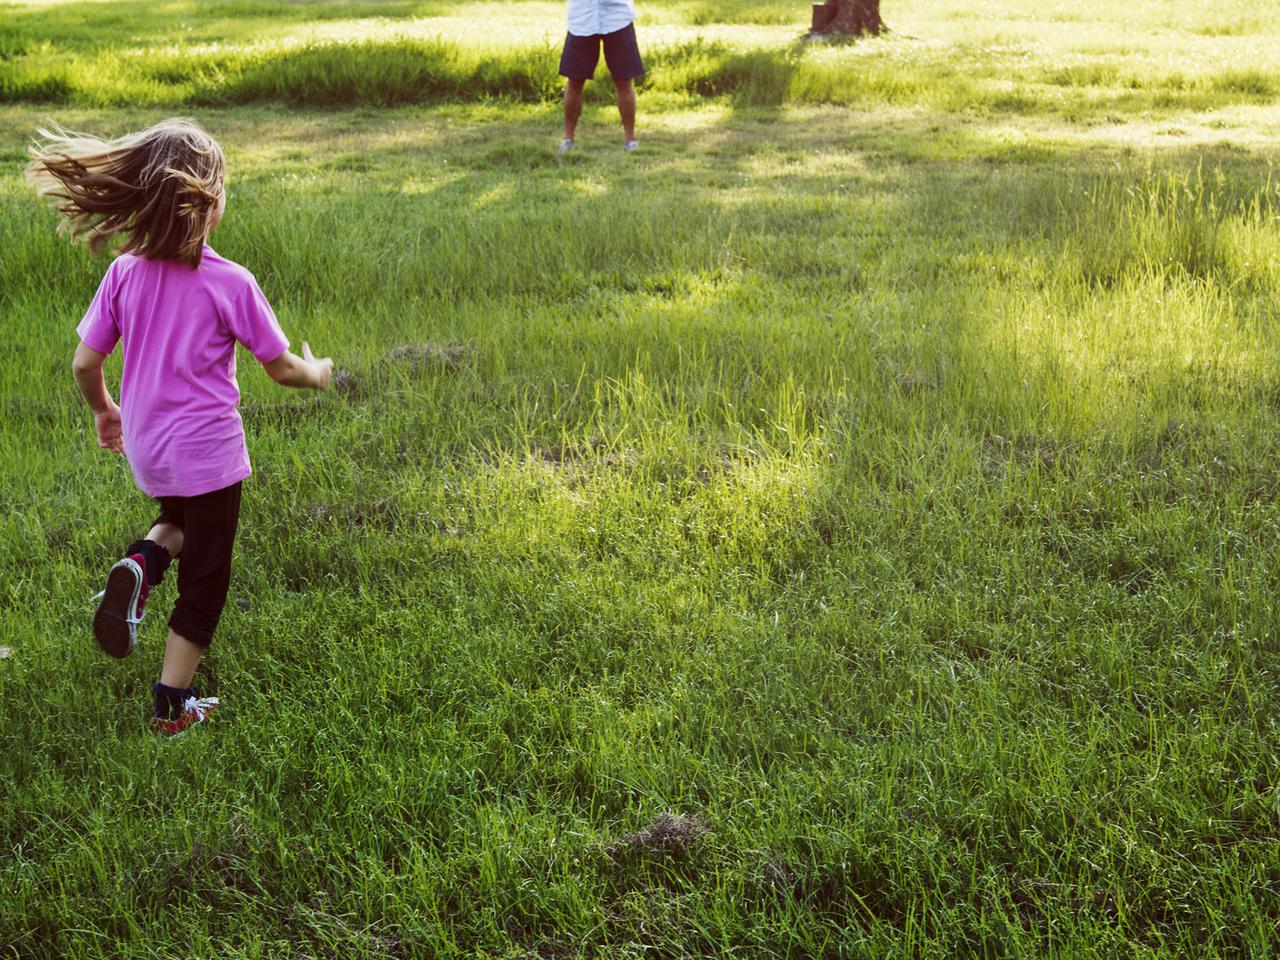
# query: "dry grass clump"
450,355
669,835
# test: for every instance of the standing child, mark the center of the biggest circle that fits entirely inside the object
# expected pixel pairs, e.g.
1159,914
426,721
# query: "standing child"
594,24
179,310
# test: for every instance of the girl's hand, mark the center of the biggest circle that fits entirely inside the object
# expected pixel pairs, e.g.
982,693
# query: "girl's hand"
110,434
322,366
307,371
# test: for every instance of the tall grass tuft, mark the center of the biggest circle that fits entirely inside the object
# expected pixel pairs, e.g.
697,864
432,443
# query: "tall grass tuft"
384,74
1182,226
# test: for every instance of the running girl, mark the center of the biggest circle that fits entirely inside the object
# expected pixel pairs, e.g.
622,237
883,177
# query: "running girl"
179,309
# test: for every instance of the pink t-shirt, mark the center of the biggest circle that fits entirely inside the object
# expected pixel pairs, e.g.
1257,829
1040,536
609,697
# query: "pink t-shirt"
178,395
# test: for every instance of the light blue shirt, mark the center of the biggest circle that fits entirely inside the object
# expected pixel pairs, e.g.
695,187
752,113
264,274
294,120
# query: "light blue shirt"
589,17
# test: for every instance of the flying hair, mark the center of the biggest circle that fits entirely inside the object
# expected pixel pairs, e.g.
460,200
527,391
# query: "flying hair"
158,187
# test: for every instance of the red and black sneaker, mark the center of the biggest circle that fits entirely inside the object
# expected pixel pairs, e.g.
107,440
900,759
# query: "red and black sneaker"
115,625
194,710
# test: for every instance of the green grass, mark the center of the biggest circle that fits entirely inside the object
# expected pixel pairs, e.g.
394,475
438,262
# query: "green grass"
976,56
887,485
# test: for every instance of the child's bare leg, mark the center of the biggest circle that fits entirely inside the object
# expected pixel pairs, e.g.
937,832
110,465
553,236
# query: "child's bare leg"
572,106
181,657
177,705
168,536
627,106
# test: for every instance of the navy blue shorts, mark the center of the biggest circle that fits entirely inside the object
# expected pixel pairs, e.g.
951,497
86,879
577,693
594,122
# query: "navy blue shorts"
621,53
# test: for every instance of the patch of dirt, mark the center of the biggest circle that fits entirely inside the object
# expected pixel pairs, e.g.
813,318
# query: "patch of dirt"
449,355
669,835
348,385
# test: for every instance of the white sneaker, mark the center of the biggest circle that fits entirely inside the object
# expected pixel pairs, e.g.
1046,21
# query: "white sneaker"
631,146
566,145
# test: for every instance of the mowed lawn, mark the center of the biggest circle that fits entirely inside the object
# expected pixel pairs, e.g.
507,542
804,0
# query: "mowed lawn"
845,528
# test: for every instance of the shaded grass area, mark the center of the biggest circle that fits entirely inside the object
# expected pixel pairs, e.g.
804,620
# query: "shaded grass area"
403,70
983,57
812,536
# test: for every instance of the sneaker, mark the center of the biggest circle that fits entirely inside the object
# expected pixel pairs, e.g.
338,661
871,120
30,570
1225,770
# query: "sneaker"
566,145
194,710
115,625
631,146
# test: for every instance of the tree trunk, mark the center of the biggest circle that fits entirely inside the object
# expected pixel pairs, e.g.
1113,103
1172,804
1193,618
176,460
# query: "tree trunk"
855,17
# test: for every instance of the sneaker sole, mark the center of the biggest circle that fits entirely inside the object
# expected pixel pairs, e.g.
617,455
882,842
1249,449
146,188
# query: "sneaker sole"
109,626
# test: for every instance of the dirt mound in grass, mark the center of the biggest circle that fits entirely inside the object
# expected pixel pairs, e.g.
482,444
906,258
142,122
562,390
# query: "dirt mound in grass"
669,835
450,355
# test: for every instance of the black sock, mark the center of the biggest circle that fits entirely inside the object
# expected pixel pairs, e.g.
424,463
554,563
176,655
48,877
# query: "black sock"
169,701
157,559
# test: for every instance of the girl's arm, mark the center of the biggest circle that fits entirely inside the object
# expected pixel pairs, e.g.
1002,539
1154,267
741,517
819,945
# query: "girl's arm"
87,367
290,370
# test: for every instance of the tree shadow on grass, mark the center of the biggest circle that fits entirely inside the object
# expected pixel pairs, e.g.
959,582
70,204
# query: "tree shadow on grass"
748,78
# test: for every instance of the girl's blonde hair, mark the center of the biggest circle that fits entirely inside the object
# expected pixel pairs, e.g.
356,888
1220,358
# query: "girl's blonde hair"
159,187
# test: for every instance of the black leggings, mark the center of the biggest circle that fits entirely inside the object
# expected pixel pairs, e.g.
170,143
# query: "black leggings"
208,525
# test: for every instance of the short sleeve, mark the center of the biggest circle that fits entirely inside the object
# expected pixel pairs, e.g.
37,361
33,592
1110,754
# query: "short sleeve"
100,328
254,324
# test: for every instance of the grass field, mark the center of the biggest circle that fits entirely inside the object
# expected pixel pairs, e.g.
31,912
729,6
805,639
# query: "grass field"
845,528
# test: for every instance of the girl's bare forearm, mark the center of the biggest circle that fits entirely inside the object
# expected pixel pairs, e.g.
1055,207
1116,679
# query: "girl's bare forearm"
87,369
290,370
